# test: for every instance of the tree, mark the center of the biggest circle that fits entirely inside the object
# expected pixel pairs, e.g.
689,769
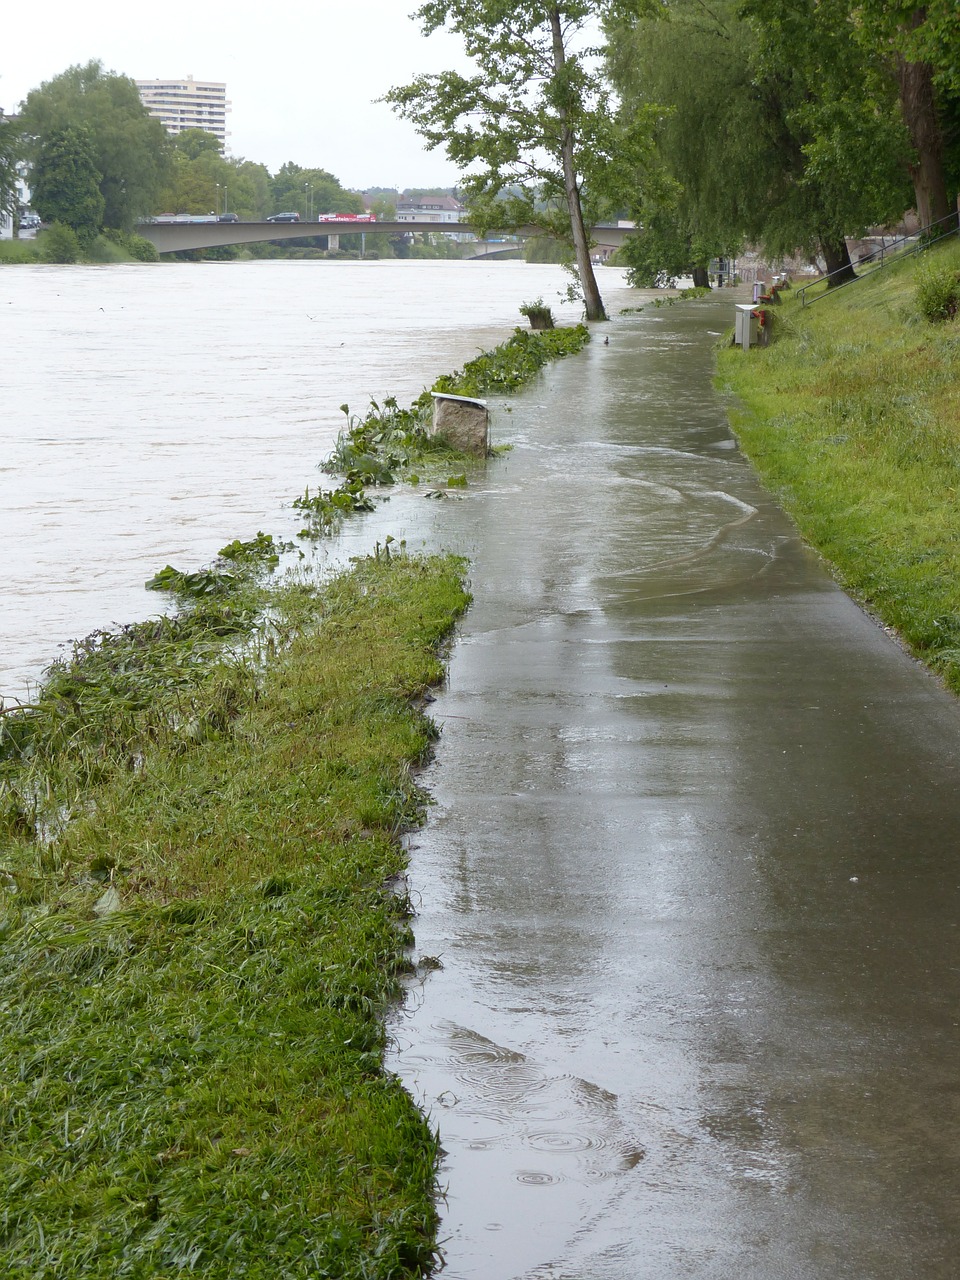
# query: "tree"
311,192
195,142
921,46
775,127
66,183
8,165
533,130
130,148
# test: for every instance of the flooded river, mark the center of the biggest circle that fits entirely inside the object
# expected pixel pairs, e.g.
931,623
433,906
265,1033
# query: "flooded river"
692,873
153,413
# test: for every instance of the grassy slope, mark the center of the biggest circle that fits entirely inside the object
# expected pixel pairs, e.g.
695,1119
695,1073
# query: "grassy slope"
193,1081
852,418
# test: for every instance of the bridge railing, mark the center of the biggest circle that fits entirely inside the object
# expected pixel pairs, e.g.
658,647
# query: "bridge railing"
902,247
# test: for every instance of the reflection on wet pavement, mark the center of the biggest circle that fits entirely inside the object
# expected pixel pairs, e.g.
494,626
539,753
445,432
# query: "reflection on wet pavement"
691,871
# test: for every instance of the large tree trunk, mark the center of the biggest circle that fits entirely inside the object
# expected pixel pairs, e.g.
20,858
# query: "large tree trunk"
701,278
837,257
919,108
592,302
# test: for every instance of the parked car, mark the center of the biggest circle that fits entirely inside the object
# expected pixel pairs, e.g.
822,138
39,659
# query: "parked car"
284,217
229,217
29,222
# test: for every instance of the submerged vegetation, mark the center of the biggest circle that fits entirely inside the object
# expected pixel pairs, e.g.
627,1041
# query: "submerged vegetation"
389,443
853,418
200,938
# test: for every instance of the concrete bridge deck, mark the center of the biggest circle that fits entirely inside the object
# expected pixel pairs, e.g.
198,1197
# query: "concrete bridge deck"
173,237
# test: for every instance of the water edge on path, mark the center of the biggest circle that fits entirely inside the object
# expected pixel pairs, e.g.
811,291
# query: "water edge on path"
691,870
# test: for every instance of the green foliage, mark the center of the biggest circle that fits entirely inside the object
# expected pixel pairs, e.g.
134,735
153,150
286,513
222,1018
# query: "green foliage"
311,192
18,252
326,508
9,154
130,149
538,313
199,948
938,289
66,183
507,367
59,243
192,143
131,245
851,418
773,128
533,128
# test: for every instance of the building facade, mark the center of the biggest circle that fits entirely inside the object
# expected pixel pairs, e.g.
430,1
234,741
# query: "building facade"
429,209
187,104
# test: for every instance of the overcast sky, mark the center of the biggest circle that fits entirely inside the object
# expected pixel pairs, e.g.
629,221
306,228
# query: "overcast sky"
301,77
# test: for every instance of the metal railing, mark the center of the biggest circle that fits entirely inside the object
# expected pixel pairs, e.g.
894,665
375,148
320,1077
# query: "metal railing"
916,243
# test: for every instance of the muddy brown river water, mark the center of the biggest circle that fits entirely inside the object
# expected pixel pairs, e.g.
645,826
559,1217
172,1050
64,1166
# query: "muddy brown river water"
692,871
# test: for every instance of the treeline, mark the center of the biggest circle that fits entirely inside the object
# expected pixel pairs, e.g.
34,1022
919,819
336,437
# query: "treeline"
96,161
786,124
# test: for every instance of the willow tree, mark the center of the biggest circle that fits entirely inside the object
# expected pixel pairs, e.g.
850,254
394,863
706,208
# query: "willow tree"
533,130
776,126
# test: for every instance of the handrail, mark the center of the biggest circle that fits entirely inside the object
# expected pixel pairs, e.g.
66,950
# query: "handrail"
921,240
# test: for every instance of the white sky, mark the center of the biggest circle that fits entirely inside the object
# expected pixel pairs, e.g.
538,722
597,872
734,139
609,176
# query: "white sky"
301,77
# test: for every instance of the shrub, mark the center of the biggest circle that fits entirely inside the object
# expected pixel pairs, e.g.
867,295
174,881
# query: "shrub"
59,243
539,315
938,291
18,251
106,249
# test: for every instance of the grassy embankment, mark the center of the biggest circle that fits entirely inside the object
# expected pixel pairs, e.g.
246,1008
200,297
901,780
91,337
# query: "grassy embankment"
852,417
201,933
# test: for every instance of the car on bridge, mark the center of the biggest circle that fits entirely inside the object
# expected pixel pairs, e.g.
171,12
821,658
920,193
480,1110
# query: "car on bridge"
284,217
229,217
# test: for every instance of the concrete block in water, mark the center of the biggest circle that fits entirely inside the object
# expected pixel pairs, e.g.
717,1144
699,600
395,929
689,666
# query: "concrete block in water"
464,423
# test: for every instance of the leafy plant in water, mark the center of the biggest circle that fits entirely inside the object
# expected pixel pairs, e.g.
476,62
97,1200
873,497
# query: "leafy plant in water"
514,362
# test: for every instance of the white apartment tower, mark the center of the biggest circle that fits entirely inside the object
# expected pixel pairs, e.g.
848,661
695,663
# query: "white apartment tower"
187,104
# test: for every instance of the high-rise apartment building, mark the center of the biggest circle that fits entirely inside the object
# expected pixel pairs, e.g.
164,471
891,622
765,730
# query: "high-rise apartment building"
187,104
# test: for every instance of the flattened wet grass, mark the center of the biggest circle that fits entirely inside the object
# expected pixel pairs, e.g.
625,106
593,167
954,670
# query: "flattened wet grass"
195,965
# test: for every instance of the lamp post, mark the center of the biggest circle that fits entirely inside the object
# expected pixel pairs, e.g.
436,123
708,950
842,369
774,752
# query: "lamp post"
307,201
217,205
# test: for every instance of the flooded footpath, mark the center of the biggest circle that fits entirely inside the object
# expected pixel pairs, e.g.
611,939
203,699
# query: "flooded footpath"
691,873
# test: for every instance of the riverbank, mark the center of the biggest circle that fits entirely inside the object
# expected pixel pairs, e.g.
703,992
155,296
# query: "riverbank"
204,917
852,418
198,957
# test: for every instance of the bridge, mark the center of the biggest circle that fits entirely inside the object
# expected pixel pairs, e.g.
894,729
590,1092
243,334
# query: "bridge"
173,237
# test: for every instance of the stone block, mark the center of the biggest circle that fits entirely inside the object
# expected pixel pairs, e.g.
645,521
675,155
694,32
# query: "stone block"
464,423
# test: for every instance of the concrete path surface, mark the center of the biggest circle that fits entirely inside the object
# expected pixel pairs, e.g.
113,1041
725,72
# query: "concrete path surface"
692,871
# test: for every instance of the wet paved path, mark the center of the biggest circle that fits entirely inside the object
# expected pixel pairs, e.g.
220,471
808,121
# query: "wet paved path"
692,871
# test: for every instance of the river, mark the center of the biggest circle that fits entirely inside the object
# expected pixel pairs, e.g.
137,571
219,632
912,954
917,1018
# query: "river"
150,414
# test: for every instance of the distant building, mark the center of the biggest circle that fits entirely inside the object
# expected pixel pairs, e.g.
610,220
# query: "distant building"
187,104
429,209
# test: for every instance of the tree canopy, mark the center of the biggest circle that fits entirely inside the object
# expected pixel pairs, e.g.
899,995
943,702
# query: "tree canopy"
533,130
776,127
66,182
130,148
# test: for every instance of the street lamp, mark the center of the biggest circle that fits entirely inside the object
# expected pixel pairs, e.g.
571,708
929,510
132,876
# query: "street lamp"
217,205
307,201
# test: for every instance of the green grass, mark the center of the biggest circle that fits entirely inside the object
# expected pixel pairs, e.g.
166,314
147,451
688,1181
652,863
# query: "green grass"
852,417
201,937
18,252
